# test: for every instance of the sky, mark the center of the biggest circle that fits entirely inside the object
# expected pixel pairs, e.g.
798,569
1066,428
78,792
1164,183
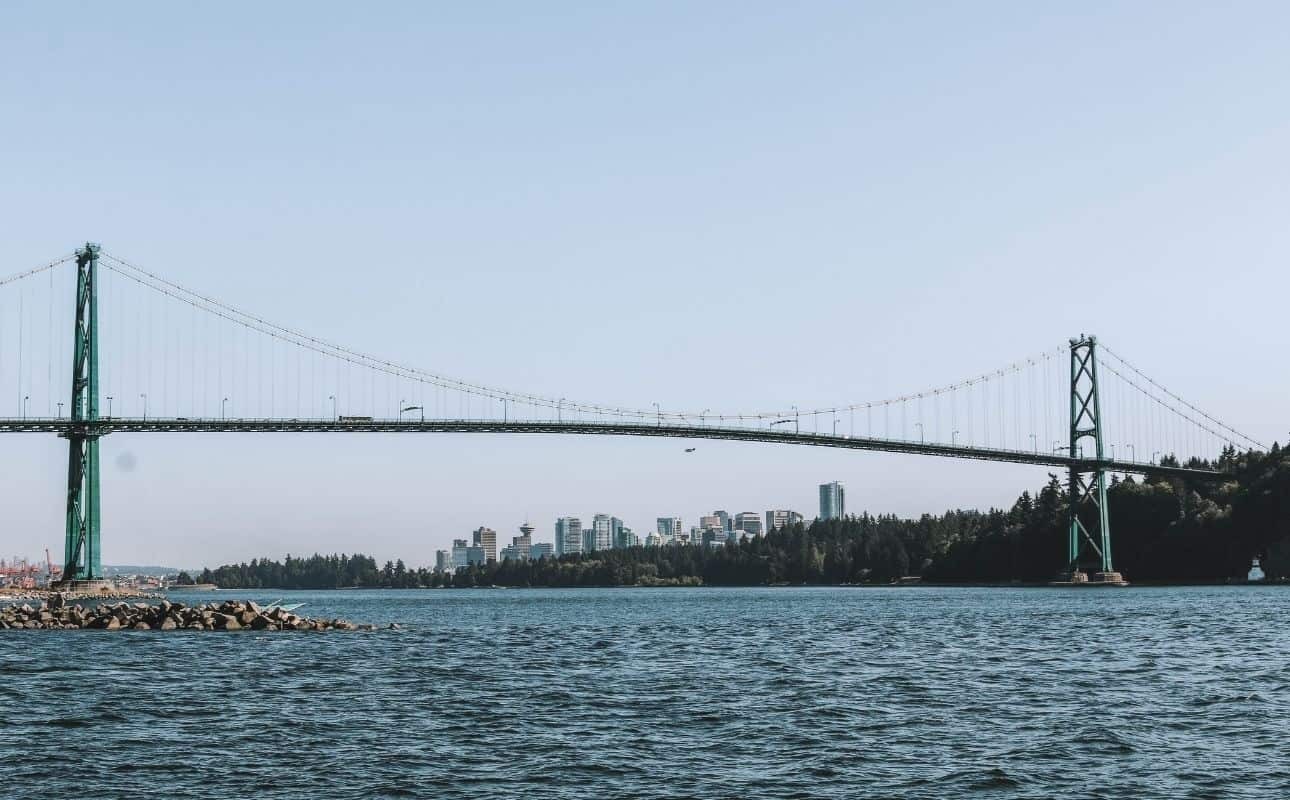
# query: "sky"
718,205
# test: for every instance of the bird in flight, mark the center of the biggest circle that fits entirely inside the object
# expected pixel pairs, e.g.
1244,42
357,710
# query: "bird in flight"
689,449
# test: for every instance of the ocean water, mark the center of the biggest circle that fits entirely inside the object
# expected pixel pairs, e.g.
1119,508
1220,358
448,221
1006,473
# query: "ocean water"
671,693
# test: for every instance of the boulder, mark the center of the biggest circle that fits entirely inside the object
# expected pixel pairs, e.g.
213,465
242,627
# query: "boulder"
227,622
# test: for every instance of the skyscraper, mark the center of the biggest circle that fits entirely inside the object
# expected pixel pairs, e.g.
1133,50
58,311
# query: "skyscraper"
669,528
568,536
832,501
443,561
624,538
726,522
600,536
521,546
749,522
459,555
486,538
523,542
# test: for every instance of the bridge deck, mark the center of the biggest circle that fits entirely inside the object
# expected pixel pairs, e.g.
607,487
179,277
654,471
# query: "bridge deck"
182,425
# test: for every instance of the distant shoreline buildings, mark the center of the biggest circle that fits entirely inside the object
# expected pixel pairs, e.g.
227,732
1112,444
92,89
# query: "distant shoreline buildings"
607,532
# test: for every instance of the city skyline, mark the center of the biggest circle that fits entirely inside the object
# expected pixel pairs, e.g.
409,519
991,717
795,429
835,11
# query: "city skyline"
607,532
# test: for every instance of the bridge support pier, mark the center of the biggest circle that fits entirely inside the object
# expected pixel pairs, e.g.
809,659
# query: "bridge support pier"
82,562
1089,544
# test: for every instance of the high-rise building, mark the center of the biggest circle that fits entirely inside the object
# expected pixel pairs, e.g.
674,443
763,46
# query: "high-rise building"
443,561
521,546
486,538
568,536
600,536
477,555
781,518
541,550
669,529
727,523
524,542
711,522
653,539
832,501
749,522
459,555
624,537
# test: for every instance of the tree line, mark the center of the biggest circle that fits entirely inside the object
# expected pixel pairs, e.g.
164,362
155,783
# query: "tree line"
1163,529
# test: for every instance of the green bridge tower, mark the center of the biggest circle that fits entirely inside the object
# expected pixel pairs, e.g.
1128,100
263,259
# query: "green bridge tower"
1089,548
82,560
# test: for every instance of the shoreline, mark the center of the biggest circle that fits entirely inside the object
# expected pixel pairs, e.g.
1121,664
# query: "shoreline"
898,585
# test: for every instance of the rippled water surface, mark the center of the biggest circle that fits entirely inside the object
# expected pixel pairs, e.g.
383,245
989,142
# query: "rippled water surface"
829,692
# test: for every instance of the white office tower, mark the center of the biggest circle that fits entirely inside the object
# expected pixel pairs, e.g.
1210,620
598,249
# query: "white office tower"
600,536
568,536
781,518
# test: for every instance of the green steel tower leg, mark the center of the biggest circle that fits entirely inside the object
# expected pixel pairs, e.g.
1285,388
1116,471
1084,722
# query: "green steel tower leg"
82,559
1088,507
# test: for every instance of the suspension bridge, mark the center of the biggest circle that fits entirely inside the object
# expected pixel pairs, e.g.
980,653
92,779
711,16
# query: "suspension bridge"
92,344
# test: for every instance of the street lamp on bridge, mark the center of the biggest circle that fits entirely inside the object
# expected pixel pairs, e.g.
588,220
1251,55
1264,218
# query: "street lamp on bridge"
919,425
659,415
144,395
797,420
954,437
60,410
1133,453
24,406
109,399
223,403
332,398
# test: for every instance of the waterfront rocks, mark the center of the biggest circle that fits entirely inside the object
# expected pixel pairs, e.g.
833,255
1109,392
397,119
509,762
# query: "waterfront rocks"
51,597
167,616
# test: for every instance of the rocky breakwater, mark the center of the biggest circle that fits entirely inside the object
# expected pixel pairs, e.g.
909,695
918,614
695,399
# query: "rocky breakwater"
43,595
166,616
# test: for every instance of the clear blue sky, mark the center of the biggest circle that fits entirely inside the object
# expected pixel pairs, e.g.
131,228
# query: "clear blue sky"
725,205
